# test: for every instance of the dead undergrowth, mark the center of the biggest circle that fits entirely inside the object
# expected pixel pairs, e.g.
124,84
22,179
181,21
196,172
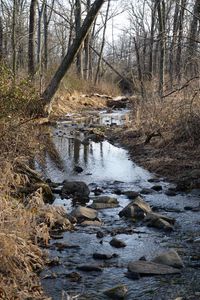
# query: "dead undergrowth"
164,135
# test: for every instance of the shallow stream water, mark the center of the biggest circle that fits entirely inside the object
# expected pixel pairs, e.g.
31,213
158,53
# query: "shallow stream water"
109,167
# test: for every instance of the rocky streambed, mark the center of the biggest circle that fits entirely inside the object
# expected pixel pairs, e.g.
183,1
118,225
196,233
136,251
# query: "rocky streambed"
134,237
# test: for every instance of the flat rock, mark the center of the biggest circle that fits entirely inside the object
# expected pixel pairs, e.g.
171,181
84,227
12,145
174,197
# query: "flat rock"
94,223
103,205
150,268
160,224
106,200
117,243
169,258
89,268
84,213
117,292
151,216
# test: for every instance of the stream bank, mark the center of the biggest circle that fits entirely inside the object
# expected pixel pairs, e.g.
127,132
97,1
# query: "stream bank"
109,172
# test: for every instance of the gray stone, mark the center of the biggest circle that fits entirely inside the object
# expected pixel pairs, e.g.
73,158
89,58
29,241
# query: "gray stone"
83,213
169,258
117,292
152,216
138,209
131,194
104,256
89,268
117,243
150,268
76,189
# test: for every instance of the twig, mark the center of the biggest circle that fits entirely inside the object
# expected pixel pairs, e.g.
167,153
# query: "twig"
181,88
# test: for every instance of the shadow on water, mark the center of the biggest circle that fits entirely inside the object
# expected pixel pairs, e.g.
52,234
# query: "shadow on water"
109,167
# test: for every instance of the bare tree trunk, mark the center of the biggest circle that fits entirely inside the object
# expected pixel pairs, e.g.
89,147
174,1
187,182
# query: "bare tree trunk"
153,17
173,43
40,14
87,47
180,41
192,38
79,61
1,39
45,37
102,45
140,77
31,44
46,20
161,19
14,52
72,52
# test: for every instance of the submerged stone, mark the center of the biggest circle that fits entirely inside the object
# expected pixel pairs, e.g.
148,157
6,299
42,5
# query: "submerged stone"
150,268
117,292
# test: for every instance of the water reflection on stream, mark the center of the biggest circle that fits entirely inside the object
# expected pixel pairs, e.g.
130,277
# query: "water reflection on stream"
110,168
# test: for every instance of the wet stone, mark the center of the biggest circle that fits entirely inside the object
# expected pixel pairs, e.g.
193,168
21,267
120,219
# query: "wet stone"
99,234
104,256
150,268
169,258
74,276
83,213
89,268
117,292
117,243
146,191
131,194
157,188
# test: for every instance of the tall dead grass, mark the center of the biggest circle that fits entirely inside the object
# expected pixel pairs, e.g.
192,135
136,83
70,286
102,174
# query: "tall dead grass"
176,117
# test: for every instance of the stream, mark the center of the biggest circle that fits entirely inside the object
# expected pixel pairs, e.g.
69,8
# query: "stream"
109,168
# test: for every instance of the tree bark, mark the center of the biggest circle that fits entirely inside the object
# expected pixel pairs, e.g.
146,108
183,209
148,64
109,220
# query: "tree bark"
78,16
161,20
14,51
72,52
102,45
1,39
31,44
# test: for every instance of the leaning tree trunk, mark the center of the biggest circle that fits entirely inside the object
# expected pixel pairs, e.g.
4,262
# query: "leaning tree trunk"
72,52
31,43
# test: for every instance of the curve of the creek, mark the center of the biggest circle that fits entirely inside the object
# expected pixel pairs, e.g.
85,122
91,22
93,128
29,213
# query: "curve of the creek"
109,168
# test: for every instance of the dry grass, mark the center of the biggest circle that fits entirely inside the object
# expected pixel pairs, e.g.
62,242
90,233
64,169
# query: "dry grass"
176,117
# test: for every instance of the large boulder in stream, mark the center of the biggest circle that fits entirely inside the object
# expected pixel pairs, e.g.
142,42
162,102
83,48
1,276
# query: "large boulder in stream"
137,209
75,189
84,213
